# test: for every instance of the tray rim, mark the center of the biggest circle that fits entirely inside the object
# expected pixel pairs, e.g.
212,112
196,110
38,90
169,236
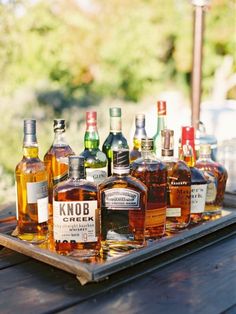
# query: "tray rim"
96,272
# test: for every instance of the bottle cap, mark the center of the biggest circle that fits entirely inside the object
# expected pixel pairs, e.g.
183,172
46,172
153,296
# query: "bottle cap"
161,107
91,117
188,133
59,124
76,166
29,126
121,159
140,120
147,144
115,112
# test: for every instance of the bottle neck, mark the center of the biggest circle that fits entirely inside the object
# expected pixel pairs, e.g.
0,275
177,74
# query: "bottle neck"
115,124
30,146
148,154
91,137
59,138
140,133
74,174
161,123
187,155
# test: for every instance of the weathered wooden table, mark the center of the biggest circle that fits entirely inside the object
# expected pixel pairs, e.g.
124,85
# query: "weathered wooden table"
198,277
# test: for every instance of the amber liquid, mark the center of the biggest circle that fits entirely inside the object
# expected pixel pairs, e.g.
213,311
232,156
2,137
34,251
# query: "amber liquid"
123,228
30,169
81,190
57,168
178,194
154,175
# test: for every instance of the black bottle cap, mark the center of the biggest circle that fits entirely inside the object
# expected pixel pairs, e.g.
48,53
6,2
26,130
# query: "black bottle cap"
121,159
59,124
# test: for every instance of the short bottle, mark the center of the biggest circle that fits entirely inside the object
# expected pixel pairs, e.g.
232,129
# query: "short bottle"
123,201
153,173
179,185
95,159
32,190
140,133
216,176
115,139
198,181
161,125
56,159
76,218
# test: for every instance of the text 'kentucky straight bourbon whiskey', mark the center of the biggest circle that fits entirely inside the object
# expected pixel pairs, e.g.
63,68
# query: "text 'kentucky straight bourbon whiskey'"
76,218
32,190
123,201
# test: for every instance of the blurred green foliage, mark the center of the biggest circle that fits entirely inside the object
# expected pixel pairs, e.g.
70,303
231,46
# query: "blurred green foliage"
59,55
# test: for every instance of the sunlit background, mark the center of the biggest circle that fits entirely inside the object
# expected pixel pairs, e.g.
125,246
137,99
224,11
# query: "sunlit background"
60,58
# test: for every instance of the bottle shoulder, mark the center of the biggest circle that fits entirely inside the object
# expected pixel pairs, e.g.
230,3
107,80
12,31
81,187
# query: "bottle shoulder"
125,182
197,176
151,164
115,140
94,157
211,166
59,150
30,165
72,184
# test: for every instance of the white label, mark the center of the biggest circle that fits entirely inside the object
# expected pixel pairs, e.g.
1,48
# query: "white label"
211,187
36,190
198,198
173,212
96,175
75,221
42,209
121,199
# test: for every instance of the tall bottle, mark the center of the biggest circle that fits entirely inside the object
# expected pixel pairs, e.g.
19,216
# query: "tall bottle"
140,133
216,176
198,181
123,201
161,125
32,190
179,185
153,173
76,218
115,139
56,159
95,159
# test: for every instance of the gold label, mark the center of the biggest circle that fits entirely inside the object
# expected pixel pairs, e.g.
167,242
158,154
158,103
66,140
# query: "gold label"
155,217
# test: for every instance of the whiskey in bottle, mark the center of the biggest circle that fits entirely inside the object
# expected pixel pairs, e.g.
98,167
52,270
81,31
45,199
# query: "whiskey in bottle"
123,201
140,133
198,181
56,159
115,139
76,218
32,190
161,125
95,159
153,173
178,185
216,176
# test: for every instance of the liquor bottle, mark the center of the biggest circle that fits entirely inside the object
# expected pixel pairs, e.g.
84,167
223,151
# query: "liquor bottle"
123,201
216,176
140,133
115,139
56,159
198,181
95,159
161,125
153,173
76,219
32,190
178,185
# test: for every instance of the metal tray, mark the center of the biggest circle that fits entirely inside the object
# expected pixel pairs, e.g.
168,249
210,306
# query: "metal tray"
103,268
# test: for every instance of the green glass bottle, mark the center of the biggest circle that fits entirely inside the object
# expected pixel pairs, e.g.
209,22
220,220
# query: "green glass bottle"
95,159
115,139
161,125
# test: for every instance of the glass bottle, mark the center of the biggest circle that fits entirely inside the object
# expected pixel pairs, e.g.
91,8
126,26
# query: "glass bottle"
32,190
161,125
95,159
153,173
140,133
216,176
115,139
179,185
56,159
76,218
123,201
198,181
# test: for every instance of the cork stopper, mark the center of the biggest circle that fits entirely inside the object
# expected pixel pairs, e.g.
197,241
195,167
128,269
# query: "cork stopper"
167,142
161,107
59,125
